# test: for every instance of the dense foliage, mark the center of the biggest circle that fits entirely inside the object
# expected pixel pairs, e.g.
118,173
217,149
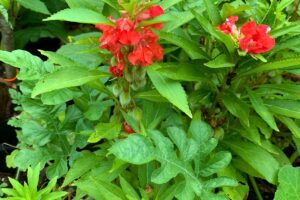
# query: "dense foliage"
171,99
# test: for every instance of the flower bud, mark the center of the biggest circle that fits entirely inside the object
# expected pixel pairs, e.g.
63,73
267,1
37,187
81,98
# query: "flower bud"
116,89
125,98
136,113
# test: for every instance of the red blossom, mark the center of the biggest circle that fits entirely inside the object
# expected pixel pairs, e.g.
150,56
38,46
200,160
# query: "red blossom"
255,38
147,50
127,38
149,13
229,27
117,70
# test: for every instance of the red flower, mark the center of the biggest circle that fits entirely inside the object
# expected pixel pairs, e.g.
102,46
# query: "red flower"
127,128
147,50
229,26
149,13
126,32
117,70
256,38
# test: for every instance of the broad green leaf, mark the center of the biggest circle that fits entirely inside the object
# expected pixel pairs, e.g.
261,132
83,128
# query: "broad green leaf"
89,4
289,183
213,12
170,89
191,48
220,61
35,5
128,189
262,110
258,158
184,71
135,149
217,162
59,96
280,64
59,59
105,130
100,190
79,15
288,108
154,113
65,78
236,106
31,67
57,169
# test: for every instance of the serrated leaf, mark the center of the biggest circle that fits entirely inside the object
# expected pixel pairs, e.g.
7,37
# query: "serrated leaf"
65,78
35,5
79,15
289,187
135,149
170,89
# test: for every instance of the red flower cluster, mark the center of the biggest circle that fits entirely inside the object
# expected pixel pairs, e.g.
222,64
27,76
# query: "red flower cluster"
126,39
252,38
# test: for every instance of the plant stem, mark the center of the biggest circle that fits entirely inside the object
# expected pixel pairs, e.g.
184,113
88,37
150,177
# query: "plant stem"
255,187
7,40
294,156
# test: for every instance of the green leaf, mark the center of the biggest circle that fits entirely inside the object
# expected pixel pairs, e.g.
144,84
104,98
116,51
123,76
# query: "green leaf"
59,96
136,149
184,71
81,166
291,125
236,106
279,64
151,95
217,162
59,59
190,47
270,16
128,189
262,110
79,15
220,61
287,108
100,190
255,156
89,4
65,78
289,183
283,4
213,12
35,5
220,182
290,28
33,176
170,89
105,130
178,19
165,4
31,67
57,169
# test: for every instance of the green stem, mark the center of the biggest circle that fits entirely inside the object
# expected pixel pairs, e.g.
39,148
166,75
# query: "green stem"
294,156
255,187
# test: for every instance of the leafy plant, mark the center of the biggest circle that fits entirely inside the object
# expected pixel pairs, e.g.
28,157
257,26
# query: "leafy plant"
29,190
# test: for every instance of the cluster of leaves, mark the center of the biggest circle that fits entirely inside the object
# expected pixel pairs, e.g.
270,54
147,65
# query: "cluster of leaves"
209,118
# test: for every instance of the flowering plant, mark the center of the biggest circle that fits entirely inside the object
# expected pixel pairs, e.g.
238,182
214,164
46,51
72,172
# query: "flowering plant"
164,100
